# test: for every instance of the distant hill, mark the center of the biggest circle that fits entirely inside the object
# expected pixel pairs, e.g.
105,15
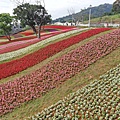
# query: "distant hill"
106,19
96,11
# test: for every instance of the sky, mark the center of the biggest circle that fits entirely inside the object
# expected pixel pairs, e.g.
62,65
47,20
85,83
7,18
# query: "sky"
57,8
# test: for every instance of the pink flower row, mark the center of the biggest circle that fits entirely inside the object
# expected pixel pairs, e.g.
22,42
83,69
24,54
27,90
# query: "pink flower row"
15,66
34,85
29,32
24,42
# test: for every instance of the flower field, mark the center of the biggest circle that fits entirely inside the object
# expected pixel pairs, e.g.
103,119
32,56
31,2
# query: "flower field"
10,55
34,85
48,29
58,27
15,66
99,100
20,43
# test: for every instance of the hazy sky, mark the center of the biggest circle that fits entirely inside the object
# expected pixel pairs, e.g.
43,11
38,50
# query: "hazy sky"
57,8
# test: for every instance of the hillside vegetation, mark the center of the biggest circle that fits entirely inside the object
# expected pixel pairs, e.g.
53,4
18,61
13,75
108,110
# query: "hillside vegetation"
107,18
116,6
97,11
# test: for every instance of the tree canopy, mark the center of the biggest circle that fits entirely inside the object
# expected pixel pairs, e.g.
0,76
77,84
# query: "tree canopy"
32,15
116,7
5,24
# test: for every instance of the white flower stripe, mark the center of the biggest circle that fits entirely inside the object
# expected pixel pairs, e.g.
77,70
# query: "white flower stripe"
23,51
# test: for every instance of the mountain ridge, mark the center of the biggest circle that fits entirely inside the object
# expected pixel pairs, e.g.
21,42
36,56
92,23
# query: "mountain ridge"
96,11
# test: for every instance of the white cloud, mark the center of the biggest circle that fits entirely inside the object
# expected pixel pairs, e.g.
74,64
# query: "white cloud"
57,8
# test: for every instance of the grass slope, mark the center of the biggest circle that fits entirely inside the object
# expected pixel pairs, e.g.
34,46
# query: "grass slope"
109,19
73,84
63,52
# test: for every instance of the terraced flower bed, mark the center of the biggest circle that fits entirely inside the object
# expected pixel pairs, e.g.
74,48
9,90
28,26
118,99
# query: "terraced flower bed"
27,33
58,27
99,100
15,66
20,43
27,36
17,53
47,28
51,75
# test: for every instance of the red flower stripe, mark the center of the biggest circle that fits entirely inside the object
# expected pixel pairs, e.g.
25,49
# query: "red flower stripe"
30,32
27,33
24,42
59,27
15,66
31,86
32,37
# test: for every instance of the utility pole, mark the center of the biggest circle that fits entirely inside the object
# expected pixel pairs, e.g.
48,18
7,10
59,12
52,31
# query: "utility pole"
71,12
89,16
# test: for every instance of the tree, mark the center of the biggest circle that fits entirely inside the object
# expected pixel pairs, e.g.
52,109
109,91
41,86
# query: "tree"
5,25
71,13
31,15
41,17
24,13
116,7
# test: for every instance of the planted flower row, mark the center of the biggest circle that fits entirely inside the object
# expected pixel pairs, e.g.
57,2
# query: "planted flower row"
15,66
7,56
34,36
59,27
48,27
100,100
27,33
30,35
16,45
30,32
18,39
32,86
22,43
